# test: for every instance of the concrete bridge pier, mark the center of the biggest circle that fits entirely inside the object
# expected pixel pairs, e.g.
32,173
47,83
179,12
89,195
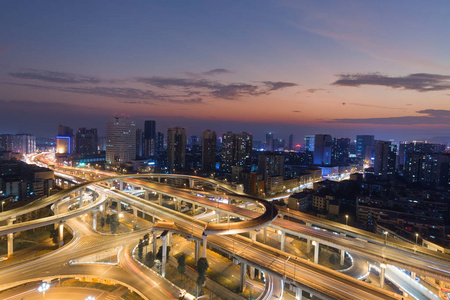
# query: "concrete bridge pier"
342,256
191,183
243,276
80,199
119,207
94,220
160,199
204,237
154,245
283,240
10,239
218,217
197,251
194,207
164,254
146,194
121,185
298,294
316,251
61,233
382,274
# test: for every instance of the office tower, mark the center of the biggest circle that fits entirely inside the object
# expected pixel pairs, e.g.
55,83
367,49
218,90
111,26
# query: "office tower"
149,138
362,144
120,140
176,148
140,149
420,147
271,165
6,142
195,141
309,143
64,140
278,144
209,139
269,141
86,141
291,142
340,150
236,151
159,142
19,143
322,149
427,169
384,164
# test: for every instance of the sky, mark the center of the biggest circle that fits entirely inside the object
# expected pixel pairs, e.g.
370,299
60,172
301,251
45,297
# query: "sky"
287,67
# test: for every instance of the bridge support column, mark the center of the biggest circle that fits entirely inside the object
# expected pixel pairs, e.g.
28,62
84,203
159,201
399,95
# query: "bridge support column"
154,245
10,239
265,235
252,269
61,233
204,245
228,218
298,294
159,179
94,220
382,274
215,188
243,275
218,217
160,198
246,205
135,211
283,240
178,203
80,199
119,207
121,185
308,245
197,251
191,183
413,275
316,252
146,195
164,255
342,257
56,212
193,208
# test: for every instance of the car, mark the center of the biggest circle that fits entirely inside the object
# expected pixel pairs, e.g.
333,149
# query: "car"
3,258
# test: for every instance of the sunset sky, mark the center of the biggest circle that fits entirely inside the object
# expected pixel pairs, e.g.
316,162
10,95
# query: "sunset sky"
289,67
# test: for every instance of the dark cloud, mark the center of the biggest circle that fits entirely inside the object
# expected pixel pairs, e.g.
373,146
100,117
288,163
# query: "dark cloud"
118,92
296,111
55,77
421,82
312,91
216,72
371,105
214,88
429,117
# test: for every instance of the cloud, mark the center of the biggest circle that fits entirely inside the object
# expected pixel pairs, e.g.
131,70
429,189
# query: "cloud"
216,89
312,91
371,105
428,117
55,77
421,82
296,111
149,96
216,72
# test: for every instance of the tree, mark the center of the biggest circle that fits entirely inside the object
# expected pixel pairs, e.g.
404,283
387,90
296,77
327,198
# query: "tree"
149,262
114,223
140,249
160,251
102,222
202,267
181,264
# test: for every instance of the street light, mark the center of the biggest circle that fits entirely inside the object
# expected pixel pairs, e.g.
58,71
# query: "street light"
43,287
417,235
385,238
346,220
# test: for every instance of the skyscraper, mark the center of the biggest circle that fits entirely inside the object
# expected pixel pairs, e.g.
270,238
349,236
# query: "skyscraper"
271,165
159,142
120,140
291,142
86,141
362,143
149,138
269,141
140,149
385,155
309,143
340,150
322,149
209,150
176,148
64,140
236,150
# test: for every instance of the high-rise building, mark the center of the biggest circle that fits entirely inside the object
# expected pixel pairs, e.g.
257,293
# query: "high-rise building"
309,143
278,144
236,151
140,145
322,149
149,138
195,141
384,164
362,144
159,142
291,142
86,141
64,140
271,165
209,139
427,169
340,150
420,147
19,143
269,141
176,148
120,140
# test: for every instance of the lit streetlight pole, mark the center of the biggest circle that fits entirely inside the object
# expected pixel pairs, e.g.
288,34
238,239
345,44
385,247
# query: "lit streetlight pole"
3,203
417,236
385,236
346,220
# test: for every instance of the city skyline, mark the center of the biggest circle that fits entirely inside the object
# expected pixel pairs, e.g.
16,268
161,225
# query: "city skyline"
298,68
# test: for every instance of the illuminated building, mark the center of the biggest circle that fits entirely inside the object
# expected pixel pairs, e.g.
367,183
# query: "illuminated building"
322,149
86,141
384,164
363,142
309,143
120,140
149,138
236,151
